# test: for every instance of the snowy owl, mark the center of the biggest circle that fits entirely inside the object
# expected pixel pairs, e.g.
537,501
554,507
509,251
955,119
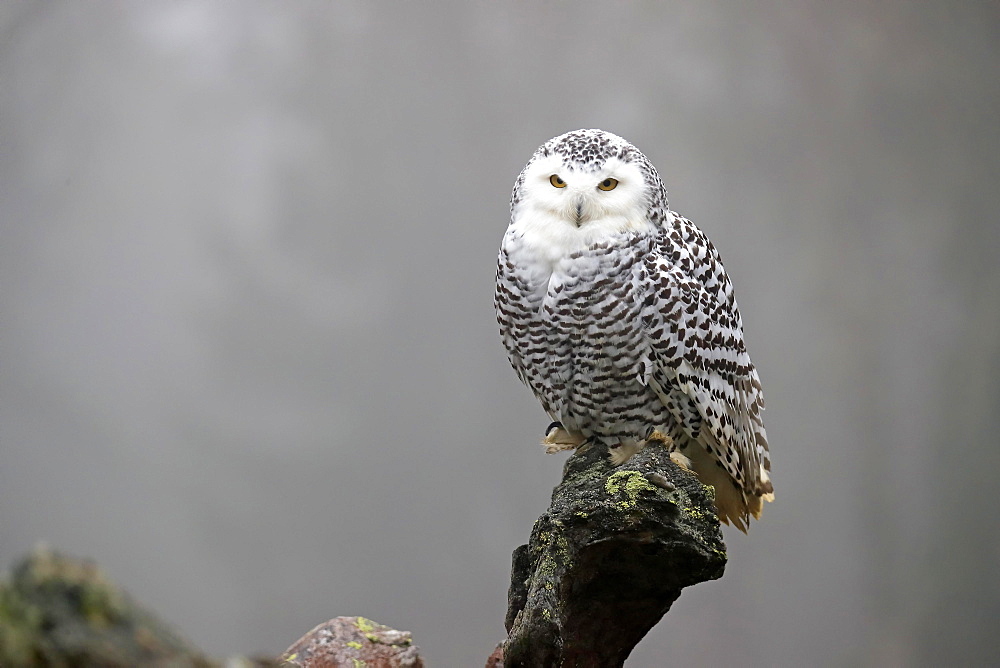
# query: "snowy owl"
620,317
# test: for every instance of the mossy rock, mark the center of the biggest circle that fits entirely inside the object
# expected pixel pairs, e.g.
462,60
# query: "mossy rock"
609,557
61,612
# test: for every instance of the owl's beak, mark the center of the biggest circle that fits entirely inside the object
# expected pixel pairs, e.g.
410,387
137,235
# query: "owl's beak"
579,211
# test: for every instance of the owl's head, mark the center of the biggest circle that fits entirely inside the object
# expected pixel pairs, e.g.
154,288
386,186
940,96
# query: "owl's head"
587,185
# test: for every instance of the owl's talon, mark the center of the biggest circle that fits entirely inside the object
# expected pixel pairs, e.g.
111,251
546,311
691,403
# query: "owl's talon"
557,439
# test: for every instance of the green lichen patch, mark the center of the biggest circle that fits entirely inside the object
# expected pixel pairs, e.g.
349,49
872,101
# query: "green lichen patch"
368,627
629,483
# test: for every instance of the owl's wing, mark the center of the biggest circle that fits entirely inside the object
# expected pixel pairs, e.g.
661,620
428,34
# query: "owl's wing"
699,365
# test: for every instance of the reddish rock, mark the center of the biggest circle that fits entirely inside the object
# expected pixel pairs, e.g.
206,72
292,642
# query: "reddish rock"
496,658
349,642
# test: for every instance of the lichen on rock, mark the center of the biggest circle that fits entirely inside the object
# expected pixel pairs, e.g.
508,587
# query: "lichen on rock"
353,641
609,558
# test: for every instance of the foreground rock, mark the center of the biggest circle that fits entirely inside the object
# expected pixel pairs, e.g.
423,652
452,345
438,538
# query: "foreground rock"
350,642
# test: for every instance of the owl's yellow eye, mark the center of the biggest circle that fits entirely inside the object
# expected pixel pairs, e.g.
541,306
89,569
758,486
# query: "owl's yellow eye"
556,181
608,184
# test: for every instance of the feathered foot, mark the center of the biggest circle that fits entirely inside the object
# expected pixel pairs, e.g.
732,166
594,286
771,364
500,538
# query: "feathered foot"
622,452
557,439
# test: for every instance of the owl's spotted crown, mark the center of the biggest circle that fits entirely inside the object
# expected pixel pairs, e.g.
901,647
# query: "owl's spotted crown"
589,149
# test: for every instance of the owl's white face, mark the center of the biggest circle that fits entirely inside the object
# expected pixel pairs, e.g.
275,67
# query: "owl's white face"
563,209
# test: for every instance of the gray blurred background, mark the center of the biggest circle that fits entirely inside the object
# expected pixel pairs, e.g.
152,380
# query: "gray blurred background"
248,352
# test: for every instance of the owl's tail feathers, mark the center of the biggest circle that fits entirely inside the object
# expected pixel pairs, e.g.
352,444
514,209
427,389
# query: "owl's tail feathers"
734,505
753,505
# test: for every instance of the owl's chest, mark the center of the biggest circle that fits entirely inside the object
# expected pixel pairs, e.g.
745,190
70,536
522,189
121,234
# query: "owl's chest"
591,321
587,298
573,326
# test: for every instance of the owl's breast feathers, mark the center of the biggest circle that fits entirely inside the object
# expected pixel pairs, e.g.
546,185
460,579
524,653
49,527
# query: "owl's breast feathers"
573,329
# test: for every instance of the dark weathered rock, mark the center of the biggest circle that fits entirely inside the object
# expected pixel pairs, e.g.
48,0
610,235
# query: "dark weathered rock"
608,558
353,641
